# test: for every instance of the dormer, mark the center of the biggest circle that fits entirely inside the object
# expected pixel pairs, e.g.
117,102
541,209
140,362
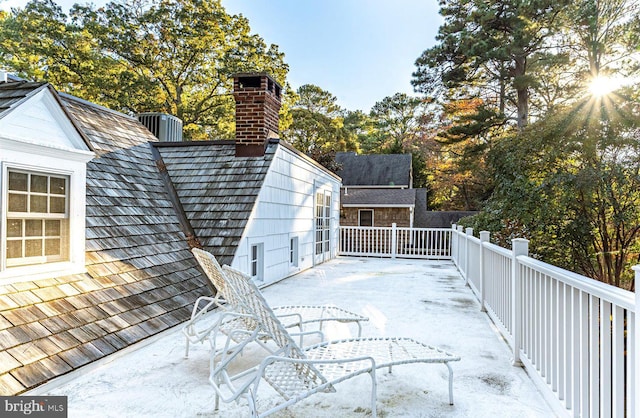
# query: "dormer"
43,160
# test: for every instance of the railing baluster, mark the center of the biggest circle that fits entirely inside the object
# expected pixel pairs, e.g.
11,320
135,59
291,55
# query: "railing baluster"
561,339
617,361
574,356
605,360
594,357
632,358
553,321
584,354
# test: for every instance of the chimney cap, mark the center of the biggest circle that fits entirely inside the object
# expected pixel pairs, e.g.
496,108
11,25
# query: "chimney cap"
263,74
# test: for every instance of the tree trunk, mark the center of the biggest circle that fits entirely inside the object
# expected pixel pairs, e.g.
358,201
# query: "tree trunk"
522,92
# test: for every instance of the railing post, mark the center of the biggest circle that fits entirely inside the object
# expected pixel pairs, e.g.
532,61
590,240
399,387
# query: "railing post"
519,246
468,233
461,252
394,240
636,343
484,237
454,257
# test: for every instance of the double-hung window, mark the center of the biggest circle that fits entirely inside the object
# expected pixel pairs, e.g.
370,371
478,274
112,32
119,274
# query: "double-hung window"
37,218
43,183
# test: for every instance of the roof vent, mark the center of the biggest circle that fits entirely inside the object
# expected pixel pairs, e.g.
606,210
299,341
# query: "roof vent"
167,128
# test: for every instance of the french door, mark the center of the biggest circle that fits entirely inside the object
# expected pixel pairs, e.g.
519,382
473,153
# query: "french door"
323,226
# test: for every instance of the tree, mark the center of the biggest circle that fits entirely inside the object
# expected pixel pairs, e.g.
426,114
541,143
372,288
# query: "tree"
568,180
571,183
604,36
480,74
317,126
459,174
360,126
485,50
161,55
397,122
316,100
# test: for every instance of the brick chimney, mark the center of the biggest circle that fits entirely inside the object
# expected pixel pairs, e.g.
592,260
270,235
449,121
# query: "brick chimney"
257,105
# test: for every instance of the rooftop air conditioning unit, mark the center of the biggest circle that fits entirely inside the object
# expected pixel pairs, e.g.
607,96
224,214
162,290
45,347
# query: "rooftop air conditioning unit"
166,128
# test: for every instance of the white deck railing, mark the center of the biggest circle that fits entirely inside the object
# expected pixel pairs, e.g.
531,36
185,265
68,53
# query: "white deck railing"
395,242
576,337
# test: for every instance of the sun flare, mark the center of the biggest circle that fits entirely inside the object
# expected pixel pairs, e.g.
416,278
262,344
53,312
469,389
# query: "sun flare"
602,85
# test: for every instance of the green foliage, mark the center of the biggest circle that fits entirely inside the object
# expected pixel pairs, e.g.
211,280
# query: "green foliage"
138,56
397,122
484,49
401,124
360,126
571,184
317,126
568,182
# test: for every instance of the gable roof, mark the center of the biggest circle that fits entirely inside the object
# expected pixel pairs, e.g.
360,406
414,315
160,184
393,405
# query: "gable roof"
141,277
375,169
354,197
216,189
15,93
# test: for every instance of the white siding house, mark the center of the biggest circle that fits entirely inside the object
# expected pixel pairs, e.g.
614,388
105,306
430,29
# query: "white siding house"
285,233
97,220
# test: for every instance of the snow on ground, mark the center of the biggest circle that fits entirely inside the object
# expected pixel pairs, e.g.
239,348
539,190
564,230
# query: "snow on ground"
425,300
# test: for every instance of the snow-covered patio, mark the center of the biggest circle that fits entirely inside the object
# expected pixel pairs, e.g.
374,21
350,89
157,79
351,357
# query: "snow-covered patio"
426,300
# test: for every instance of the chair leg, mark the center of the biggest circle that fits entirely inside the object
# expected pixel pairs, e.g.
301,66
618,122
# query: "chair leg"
186,349
450,383
251,398
374,393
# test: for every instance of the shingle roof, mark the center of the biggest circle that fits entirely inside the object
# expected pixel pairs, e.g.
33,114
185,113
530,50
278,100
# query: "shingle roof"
15,93
141,277
377,197
374,169
216,189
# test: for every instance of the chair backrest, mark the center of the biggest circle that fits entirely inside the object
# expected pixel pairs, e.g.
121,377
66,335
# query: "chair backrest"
215,275
288,379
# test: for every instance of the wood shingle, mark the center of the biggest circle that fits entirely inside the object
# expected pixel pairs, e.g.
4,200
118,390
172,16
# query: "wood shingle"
141,277
217,190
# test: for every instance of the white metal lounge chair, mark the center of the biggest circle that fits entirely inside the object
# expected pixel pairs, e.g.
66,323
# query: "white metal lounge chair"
296,373
290,315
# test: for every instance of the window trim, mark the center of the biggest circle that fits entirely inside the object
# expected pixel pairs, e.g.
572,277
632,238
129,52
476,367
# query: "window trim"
360,217
26,216
75,209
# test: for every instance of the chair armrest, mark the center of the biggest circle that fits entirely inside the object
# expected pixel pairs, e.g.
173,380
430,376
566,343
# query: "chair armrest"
296,323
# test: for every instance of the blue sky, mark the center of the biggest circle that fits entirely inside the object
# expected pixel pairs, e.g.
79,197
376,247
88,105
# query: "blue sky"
359,50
